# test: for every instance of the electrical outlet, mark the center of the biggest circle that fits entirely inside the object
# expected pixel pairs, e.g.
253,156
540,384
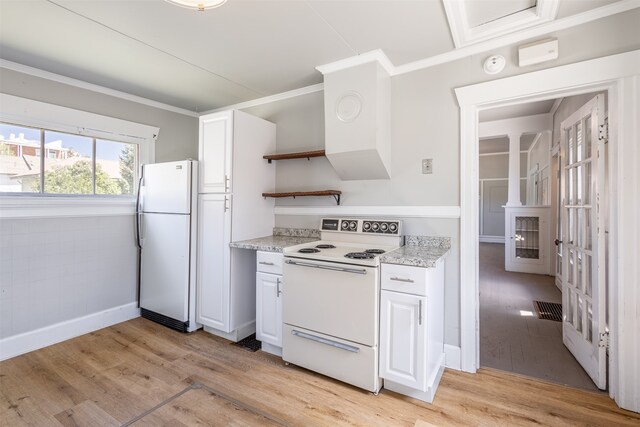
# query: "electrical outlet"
427,166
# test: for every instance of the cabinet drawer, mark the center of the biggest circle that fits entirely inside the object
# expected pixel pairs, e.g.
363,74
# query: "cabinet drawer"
343,360
269,262
405,279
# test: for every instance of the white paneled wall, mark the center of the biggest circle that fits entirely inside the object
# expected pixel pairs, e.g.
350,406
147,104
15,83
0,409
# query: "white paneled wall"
58,269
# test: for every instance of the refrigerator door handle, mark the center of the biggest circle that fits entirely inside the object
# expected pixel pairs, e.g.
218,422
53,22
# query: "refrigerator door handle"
139,213
140,229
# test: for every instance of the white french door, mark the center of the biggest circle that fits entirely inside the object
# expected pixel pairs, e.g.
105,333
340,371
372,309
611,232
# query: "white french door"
582,244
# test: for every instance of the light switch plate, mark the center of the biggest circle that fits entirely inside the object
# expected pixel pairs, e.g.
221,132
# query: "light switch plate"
427,166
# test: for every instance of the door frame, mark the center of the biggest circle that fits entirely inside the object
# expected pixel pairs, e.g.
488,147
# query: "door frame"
619,76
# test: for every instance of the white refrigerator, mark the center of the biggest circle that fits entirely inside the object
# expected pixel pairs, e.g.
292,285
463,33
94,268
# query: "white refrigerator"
166,227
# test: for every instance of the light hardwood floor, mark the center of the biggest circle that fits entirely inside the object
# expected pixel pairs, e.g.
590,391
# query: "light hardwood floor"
512,338
143,374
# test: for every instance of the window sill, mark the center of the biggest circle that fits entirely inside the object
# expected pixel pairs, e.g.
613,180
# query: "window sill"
45,206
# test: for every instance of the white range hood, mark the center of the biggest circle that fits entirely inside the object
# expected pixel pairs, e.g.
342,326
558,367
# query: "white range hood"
357,117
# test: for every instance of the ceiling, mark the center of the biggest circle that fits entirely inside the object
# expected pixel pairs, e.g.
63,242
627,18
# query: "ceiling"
518,110
244,50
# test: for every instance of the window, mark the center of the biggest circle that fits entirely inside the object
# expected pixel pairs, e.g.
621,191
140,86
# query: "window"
73,164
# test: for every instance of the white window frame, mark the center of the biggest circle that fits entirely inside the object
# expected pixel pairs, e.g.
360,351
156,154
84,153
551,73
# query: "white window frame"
36,114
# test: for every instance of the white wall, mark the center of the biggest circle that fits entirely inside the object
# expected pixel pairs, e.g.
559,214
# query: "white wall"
57,269
178,138
494,180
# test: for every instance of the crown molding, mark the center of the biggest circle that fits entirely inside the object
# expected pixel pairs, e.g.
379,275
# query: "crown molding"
269,99
372,56
25,69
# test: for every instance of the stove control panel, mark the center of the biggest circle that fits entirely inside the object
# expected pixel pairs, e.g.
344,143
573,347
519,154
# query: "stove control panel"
381,227
350,225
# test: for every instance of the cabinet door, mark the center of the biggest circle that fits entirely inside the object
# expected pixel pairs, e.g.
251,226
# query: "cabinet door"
216,136
213,270
269,308
526,240
403,356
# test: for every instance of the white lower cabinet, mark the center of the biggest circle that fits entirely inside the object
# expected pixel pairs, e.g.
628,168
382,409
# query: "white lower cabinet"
412,329
403,333
269,290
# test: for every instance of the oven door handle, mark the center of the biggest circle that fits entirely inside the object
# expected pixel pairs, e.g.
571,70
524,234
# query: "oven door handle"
325,341
327,267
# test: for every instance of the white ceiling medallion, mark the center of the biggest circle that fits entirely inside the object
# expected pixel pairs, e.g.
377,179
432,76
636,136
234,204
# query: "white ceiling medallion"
494,64
468,26
349,106
200,5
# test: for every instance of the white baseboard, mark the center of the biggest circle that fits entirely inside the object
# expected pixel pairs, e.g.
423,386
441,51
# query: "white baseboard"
491,239
44,337
452,357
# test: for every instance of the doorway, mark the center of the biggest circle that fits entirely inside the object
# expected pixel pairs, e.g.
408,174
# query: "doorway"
619,76
517,255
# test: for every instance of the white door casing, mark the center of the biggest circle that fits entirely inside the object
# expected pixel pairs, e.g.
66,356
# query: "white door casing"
583,238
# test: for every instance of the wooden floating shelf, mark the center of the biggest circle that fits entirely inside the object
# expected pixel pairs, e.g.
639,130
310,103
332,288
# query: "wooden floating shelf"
300,155
334,193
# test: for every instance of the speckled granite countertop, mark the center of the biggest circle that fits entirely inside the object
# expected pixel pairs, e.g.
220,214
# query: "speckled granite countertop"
419,251
281,238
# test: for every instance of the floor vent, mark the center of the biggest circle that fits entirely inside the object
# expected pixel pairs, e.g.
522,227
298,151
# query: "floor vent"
249,343
548,310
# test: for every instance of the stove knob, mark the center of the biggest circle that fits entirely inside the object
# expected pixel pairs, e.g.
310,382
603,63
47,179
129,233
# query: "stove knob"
353,225
344,225
393,227
375,226
383,227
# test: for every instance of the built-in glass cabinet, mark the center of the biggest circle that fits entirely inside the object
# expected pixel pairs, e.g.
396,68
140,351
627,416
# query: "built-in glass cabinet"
527,239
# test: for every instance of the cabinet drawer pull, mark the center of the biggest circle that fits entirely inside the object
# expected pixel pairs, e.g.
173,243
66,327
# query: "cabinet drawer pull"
265,263
420,312
400,279
325,341
278,291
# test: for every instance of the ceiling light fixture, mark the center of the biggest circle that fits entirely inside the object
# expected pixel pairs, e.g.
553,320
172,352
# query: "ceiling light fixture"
494,64
200,5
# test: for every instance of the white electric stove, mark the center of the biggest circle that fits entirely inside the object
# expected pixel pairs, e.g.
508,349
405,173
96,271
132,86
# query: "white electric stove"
331,299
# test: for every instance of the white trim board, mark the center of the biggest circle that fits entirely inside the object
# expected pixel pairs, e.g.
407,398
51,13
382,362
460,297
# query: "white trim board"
372,211
44,337
463,34
452,357
502,153
19,206
620,76
491,239
269,99
25,69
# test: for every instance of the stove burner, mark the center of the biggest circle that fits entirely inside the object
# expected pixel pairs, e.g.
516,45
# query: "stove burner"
375,251
359,255
325,246
309,250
